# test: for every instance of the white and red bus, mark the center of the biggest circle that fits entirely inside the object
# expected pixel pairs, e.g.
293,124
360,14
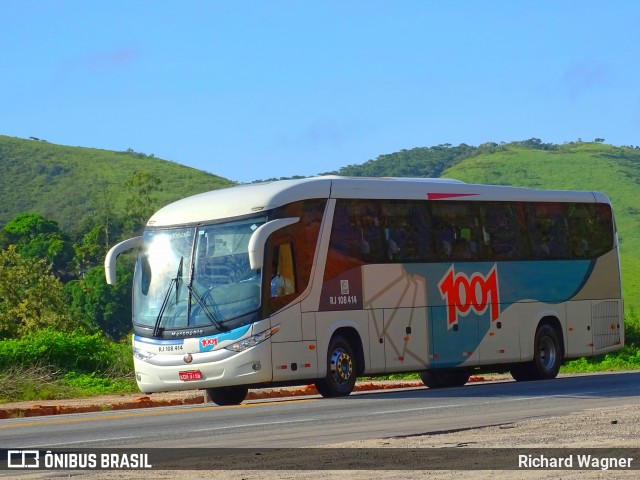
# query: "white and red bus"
325,279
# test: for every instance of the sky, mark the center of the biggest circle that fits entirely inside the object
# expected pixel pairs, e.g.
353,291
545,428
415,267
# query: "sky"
260,89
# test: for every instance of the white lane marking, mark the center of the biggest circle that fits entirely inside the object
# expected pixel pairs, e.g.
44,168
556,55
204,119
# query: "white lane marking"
406,410
81,442
262,424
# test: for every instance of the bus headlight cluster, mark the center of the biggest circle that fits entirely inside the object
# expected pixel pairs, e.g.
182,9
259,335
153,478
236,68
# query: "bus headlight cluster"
252,341
142,354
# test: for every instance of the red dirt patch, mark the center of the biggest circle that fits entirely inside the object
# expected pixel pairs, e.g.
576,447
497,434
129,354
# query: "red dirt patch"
127,402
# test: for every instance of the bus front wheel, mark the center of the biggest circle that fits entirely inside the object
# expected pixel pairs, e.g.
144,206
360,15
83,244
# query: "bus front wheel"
227,395
341,370
547,357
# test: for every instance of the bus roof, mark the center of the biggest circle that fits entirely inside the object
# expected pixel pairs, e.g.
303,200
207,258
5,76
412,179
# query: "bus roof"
253,198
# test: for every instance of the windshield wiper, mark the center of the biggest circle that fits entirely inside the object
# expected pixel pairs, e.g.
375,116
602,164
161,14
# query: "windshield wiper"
165,302
205,308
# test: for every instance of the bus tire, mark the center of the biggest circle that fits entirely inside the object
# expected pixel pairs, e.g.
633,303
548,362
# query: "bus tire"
228,395
547,357
341,370
444,378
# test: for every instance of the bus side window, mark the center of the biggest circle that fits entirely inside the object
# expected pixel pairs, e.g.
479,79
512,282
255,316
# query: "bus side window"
347,245
456,229
283,277
444,232
346,237
503,231
602,229
590,230
540,231
372,235
549,232
406,231
580,229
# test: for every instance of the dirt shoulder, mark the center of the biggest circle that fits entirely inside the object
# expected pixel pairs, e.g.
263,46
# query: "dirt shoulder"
188,397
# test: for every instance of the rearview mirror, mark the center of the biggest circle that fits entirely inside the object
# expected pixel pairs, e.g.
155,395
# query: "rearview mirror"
112,255
259,239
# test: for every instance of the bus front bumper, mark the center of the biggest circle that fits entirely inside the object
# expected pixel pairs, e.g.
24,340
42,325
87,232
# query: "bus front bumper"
195,371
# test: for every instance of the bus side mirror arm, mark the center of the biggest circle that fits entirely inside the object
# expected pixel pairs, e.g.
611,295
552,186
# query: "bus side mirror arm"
112,255
259,239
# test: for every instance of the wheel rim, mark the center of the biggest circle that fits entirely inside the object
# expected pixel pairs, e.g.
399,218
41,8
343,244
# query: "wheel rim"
548,353
341,366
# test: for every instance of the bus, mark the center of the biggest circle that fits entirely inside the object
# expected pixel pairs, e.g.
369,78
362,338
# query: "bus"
322,280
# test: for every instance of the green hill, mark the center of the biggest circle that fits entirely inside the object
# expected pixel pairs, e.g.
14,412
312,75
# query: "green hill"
62,182
573,166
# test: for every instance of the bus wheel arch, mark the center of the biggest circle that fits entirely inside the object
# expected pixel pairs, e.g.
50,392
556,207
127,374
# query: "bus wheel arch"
548,353
345,361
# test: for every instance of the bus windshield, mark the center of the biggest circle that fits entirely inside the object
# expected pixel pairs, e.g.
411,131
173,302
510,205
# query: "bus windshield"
196,277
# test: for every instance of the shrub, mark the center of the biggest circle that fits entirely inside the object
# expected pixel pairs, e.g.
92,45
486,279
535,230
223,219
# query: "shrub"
69,352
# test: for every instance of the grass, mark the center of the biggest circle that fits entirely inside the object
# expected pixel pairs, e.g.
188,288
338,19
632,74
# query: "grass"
626,359
46,383
49,365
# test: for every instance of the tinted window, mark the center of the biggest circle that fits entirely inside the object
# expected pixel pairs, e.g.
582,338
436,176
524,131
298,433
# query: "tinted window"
377,231
456,231
548,227
590,230
303,234
503,231
407,231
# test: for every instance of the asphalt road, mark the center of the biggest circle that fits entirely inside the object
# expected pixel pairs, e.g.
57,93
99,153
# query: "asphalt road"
313,421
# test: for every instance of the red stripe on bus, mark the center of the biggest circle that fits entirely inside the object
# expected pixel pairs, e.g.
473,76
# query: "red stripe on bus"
440,196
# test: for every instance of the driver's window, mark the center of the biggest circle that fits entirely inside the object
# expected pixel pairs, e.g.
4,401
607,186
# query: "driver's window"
283,280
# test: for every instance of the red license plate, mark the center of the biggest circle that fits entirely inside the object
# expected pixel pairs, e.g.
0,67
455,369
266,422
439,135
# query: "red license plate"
190,375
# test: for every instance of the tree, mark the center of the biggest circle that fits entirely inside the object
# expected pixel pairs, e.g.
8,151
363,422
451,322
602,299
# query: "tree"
104,212
142,203
37,237
107,307
31,298
599,140
91,250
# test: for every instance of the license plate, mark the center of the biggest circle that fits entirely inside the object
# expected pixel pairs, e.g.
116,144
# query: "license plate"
190,375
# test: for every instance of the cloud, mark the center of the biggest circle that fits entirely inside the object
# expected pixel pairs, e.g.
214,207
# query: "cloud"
97,62
108,60
585,76
321,133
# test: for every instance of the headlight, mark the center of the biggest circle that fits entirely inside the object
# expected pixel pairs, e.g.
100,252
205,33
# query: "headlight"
142,354
252,341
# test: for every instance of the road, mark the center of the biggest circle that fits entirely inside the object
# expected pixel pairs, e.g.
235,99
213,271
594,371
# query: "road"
315,421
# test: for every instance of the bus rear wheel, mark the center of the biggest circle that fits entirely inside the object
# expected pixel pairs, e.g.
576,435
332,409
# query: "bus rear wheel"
341,370
444,378
228,395
547,357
